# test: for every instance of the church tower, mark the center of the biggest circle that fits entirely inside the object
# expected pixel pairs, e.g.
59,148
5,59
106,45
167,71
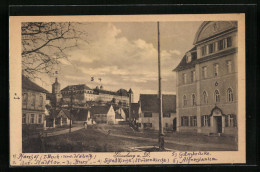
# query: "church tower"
56,92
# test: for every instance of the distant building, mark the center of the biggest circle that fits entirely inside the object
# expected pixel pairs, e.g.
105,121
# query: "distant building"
149,112
207,81
33,103
59,117
82,94
103,114
78,93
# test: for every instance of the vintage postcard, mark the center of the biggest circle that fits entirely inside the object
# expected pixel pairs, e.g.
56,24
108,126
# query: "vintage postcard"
127,90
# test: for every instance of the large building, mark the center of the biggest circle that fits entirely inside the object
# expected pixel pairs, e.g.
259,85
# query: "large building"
33,103
80,94
207,81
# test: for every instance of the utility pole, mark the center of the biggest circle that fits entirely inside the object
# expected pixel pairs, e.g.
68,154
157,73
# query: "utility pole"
71,97
161,134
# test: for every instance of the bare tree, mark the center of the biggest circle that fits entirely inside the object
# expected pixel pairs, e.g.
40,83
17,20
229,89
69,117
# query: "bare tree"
44,44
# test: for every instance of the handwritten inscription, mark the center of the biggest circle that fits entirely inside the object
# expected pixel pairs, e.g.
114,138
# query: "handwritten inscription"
117,158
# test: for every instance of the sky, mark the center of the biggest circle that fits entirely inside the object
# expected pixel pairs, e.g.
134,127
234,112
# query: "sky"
124,55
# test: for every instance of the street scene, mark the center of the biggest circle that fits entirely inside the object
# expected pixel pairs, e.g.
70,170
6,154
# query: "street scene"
129,86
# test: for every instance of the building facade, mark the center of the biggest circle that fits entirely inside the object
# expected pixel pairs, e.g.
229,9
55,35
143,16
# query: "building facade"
207,81
80,94
33,103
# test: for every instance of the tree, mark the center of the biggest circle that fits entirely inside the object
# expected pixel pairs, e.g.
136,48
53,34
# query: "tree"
44,44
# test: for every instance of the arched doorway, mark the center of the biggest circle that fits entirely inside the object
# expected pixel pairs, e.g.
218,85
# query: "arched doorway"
217,120
174,124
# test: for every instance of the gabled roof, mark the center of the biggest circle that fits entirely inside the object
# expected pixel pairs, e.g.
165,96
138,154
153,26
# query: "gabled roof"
76,87
150,103
99,109
29,85
55,113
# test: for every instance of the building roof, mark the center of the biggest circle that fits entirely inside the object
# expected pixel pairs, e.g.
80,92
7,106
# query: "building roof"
211,29
120,92
29,85
76,87
99,109
81,115
183,63
55,113
150,103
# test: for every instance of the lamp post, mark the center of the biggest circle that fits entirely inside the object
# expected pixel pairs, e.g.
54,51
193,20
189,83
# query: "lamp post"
161,134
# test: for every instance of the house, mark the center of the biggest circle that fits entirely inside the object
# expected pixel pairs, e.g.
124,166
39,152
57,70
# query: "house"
103,114
207,81
148,112
33,104
82,116
58,117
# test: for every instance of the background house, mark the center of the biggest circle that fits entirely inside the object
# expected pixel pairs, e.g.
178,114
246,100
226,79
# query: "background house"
103,114
149,112
33,104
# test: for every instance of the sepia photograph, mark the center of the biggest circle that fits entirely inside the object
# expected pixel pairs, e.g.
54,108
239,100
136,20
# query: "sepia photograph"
129,86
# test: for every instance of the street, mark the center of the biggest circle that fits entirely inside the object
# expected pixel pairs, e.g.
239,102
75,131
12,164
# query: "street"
118,138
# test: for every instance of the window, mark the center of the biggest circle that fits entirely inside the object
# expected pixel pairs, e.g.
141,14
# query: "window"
184,77
205,121
168,115
193,121
211,48
184,121
25,98
39,119
193,76
32,119
166,125
24,119
230,120
221,44
203,50
193,97
205,97
229,42
188,57
41,101
217,96
33,100
229,67
204,72
215,69
229,95
148,114
185,100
